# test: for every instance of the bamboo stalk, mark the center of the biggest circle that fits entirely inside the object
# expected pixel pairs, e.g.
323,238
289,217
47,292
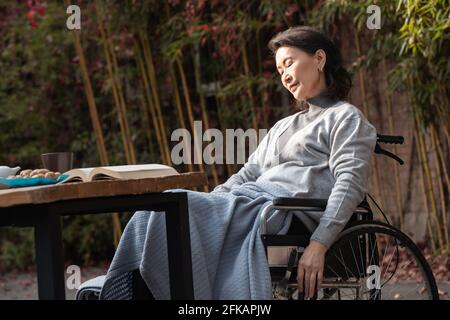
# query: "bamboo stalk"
116,88
222,128
430,232
258,50
185,92
441,157
190,112
148,58
265,111
187,99
150,103
427,174
424,193
249,90
219,104
144,107
366,111
203,108
180,115
435,144
118,107
132,154
446,119
145,122
91,100
398,190
444,116
117,231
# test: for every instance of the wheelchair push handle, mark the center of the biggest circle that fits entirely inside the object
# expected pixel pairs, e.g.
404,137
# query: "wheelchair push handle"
388,139
382,138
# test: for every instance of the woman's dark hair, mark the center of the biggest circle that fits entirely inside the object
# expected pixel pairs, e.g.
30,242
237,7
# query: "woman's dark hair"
309,40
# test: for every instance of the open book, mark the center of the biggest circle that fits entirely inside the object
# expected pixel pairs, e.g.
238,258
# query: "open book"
138,171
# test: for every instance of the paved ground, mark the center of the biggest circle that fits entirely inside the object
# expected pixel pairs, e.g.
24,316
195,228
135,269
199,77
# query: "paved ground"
23,286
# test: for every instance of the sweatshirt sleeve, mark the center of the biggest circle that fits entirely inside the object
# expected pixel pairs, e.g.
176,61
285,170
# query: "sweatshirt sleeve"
252,168
352,142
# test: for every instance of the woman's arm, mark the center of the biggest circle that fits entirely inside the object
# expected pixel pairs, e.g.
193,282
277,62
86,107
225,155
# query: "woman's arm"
352,143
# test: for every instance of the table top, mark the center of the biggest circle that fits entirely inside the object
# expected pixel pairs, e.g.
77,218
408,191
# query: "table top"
100,188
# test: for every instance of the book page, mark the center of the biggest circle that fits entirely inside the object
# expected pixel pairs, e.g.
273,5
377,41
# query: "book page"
78,174
134,168
138,171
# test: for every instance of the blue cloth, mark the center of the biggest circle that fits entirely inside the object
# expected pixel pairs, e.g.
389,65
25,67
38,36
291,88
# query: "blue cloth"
29,182
228,256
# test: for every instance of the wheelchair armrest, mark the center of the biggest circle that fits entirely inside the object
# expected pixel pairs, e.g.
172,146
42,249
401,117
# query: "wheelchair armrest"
310,204
288,203
300,202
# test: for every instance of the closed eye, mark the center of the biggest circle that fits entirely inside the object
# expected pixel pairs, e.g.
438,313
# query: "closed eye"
287,65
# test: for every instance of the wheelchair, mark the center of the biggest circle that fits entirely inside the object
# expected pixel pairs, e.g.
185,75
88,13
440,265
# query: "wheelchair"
370,260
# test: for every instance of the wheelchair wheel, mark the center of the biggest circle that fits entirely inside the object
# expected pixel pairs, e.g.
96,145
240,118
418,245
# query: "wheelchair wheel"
372,261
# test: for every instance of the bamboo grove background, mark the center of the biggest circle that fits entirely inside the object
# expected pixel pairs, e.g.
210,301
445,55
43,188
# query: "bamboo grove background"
137,70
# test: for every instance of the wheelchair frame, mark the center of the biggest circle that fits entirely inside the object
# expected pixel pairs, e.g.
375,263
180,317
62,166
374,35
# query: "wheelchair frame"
278,247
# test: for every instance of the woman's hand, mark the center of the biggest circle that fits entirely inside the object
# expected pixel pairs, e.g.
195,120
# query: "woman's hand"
310,268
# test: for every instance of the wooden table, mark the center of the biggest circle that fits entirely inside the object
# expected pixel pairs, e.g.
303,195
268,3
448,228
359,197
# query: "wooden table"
41,207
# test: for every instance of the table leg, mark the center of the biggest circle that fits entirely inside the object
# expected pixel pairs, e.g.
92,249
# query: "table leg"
49,258
179,249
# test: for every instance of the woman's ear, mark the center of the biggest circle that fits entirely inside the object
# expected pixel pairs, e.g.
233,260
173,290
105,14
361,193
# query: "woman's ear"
321,58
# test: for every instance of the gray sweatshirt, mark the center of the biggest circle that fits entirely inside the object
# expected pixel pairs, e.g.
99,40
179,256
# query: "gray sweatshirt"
322,152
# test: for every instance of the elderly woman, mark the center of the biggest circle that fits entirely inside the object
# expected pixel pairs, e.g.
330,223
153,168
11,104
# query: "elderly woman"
322,151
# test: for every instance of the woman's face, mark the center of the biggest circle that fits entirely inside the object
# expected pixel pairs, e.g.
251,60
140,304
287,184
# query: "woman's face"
300,72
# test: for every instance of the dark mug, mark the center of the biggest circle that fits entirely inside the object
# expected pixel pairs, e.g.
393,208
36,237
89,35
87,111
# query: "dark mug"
57,161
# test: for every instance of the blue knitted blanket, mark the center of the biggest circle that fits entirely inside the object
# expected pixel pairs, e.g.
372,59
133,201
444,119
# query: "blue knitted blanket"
228,257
